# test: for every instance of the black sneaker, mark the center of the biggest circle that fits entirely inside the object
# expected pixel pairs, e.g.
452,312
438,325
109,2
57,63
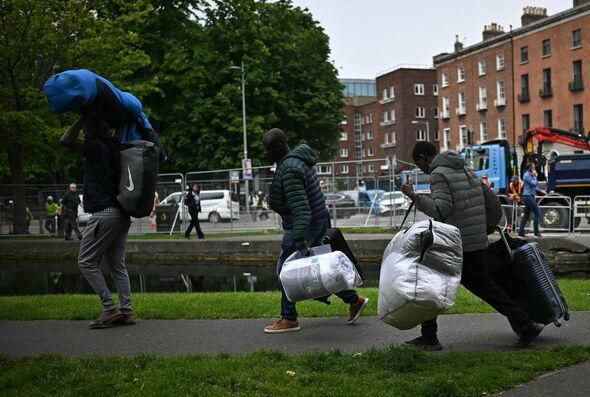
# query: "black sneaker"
538,235
529,333
427,344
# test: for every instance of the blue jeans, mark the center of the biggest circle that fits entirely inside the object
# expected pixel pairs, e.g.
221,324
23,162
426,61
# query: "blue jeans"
530,205
317,231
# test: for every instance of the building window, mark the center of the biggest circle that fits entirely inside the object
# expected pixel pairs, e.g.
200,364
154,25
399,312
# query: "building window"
483,97
445,79
463,135
344,169
579,118
524,88
435,113
502,128
369,135
420,112
526,122
483,131
546,91
446,107
524,54
481,67
391,92
418,89
420,135
363,137
385,117
436,135
371,168
500,61
324,169
435,89
392,115
384,93
501,93
344,121
370,152
577,38
577,84
548,118
343,152
344,136
547,47
460,74
462,109
447,138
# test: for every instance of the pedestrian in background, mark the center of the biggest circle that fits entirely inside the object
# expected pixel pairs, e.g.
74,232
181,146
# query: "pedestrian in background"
29,217
51,208
70,203
486,180
193,202
530,190
296,196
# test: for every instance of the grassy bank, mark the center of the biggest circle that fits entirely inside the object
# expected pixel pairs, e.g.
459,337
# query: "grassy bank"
231,305
392,372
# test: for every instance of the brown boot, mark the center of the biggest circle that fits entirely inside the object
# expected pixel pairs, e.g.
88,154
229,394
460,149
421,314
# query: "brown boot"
106,319
126,319
283,325
356,309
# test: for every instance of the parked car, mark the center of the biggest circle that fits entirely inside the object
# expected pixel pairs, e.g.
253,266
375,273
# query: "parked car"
393,201
369,200
344,205
216,205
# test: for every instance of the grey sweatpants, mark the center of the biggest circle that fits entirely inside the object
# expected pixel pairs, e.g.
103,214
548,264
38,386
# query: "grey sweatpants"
106,235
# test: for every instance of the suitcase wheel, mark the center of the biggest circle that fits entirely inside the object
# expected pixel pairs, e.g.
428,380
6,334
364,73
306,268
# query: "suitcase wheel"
566,316
557,323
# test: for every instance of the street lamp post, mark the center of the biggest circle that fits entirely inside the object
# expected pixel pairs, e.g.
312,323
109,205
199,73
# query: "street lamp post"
427,127
241,69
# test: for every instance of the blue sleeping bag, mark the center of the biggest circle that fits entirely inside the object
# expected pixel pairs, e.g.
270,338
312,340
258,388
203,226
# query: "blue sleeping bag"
74,90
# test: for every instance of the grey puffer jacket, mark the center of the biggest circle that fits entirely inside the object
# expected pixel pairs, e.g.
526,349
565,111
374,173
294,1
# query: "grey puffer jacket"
457,199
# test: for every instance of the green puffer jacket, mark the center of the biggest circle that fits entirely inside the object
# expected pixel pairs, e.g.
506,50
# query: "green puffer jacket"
457,199
295,192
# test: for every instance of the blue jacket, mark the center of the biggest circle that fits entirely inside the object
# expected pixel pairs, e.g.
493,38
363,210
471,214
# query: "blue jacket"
530,185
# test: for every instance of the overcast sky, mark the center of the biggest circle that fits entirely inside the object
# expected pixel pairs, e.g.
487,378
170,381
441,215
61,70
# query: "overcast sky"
371,36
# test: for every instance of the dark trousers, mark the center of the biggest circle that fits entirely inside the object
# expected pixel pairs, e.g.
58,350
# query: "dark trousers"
71,223
194,223
314,237
530,205
476,278
50,224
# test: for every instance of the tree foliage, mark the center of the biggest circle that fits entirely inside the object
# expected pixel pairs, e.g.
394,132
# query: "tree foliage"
175,55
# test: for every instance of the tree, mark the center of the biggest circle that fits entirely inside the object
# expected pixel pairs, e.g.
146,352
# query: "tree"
39,38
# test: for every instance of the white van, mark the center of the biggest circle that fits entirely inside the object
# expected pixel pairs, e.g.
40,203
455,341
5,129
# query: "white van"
216,205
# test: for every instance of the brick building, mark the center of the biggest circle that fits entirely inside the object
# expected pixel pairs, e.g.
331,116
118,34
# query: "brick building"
377,129
514,80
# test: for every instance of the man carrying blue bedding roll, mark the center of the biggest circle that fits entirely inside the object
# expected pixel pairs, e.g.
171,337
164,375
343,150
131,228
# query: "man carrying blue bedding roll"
296,196
457,198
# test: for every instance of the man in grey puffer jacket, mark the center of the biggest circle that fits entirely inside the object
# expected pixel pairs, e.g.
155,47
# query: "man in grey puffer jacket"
457,199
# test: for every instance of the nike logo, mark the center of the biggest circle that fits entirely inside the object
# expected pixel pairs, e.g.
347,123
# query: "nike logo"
131,185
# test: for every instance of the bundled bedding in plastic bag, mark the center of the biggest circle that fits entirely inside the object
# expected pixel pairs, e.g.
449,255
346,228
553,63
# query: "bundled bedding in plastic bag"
420,274
318,275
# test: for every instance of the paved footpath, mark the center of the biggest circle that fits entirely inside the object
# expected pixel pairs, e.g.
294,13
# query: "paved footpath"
478,332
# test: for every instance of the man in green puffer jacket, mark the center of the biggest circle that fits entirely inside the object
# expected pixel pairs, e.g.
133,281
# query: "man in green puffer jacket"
457,198
296,196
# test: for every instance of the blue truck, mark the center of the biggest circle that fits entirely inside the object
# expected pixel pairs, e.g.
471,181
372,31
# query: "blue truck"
567,177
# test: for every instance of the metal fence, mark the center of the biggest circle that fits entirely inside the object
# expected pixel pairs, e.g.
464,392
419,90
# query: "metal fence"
358,194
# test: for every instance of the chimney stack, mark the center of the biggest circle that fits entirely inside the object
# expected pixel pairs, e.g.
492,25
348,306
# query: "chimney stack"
580,2
492,30
458,44
532,15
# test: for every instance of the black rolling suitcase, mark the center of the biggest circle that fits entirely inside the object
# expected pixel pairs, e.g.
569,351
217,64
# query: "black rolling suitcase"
336,239
543,298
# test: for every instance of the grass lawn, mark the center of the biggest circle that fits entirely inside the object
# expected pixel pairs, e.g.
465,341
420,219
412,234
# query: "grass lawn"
213,235
391,372
229,305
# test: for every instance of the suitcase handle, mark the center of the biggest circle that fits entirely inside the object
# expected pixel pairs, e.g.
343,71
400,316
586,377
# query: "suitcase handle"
503,238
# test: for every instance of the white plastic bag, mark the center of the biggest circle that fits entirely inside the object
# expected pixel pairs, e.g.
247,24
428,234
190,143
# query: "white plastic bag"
318,275
413,291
